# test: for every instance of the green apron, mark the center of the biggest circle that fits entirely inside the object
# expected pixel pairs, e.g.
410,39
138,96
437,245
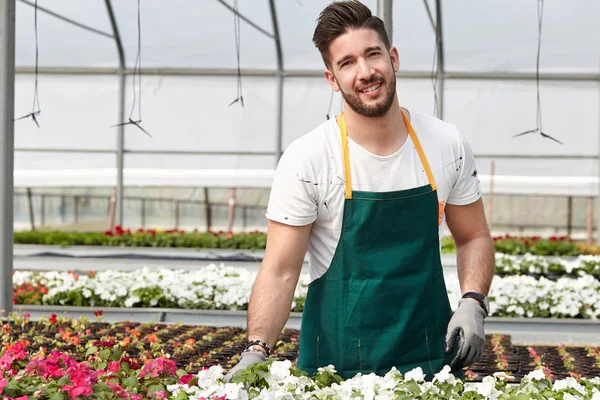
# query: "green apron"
383,301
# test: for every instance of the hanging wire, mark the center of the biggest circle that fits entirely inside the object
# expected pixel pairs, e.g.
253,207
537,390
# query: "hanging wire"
35,109
538,129
236,28
434,75
330,102
137,80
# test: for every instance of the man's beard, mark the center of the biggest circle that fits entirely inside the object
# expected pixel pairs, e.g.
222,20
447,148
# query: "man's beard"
380,108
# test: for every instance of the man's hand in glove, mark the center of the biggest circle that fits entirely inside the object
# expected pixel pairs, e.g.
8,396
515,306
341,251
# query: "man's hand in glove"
465,330
246,359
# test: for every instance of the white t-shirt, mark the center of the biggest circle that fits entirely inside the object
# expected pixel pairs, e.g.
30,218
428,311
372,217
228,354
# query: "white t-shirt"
309,180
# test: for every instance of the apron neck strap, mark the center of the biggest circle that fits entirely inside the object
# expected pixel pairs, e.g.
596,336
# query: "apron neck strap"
346,154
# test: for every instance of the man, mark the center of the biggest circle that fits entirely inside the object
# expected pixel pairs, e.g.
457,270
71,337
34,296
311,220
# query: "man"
365,194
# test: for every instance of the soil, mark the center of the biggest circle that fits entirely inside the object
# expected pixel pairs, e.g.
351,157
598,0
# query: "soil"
195,347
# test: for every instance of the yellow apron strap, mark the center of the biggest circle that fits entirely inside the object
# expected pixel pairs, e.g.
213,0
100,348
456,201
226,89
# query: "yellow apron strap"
415,140
347,175
413,137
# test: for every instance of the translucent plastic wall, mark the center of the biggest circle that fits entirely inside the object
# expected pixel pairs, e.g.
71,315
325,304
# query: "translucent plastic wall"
489,60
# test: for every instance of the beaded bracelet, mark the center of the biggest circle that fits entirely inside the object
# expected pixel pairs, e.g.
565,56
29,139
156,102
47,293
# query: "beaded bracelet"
260,343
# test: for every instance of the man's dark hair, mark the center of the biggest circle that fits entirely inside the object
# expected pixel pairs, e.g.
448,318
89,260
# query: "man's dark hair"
341,16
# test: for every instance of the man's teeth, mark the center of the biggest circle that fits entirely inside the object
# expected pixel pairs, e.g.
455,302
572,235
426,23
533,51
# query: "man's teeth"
367,90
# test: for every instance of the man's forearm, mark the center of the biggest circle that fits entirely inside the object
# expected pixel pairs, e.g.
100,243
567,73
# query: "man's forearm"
476,264
270,305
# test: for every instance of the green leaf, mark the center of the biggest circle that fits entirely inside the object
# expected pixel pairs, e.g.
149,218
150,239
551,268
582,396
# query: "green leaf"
102,365
104,354
91,351
181,396
63,381
116,355
130,381
58,396
180,373
155,388
12,389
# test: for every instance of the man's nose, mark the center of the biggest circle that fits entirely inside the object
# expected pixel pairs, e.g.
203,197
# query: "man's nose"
365,71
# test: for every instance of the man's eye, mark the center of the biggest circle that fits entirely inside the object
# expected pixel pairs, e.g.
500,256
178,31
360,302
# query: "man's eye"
376,53
345,64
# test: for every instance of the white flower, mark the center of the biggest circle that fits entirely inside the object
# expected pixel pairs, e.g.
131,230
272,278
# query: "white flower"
536,375
416,375
487,388
330,369
445,376
278,371
208,377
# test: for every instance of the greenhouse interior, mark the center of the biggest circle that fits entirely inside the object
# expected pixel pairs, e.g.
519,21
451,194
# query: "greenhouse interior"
140,141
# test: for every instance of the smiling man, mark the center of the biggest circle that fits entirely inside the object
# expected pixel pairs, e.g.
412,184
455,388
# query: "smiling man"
365,194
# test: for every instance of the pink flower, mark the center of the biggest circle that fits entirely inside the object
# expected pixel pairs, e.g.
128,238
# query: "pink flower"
3,383
185,379
136,397
53,368
119,391
76,391
82,375
36,366
6,361
114,366
17,351
161,395
158,366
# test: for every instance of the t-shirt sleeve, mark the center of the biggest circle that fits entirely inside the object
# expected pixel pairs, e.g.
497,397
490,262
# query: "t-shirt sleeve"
292,200
466,188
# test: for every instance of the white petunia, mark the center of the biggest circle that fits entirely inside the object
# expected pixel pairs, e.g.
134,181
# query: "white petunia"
416,375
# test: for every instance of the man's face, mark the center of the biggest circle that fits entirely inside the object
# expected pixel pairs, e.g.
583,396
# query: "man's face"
363,71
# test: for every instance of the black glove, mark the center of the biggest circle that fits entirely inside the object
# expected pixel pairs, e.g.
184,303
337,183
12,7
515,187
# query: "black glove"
247,359
466,328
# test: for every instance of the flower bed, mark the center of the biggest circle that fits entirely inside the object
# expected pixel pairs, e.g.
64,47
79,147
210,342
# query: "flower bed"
60,358
146,238
556,246
226,288
549,267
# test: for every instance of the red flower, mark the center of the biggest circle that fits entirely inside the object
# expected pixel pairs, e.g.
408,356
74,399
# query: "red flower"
26,315
98,313
114,366
119,230
108,233
76,391
185,379
53,320
158,366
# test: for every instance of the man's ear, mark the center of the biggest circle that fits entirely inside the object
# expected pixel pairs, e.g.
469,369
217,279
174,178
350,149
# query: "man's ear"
395,57
332,81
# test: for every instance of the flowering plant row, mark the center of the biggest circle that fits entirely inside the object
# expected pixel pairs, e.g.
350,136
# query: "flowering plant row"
274,379
547,266
108,373
256,240
224,287
62,358
146,238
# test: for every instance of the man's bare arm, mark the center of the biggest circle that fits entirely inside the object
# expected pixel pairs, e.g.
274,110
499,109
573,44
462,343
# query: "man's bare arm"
273,291
474,246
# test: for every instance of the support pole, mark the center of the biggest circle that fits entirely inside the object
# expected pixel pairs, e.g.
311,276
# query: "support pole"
384,11
7,146
121,118
279,73
440,59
